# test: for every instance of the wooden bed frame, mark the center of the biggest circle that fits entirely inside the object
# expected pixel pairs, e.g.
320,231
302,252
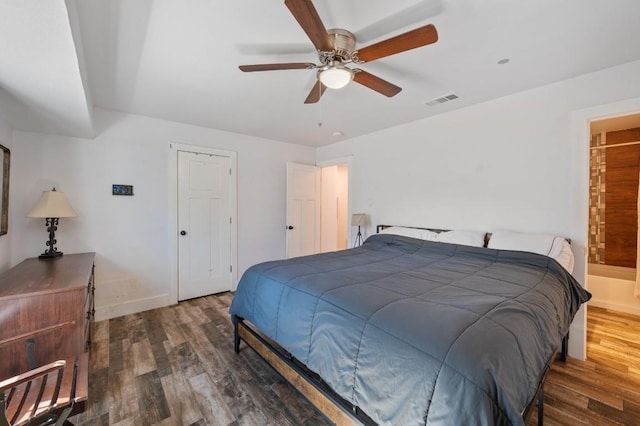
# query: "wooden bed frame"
335,408
310,385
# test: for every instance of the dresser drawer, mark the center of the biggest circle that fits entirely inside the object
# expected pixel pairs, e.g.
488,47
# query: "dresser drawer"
47,309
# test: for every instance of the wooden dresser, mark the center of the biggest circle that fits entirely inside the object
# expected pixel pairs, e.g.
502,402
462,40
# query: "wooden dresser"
46,311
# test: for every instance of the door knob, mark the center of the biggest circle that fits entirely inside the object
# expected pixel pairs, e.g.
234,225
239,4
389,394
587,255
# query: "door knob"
183,232
289,227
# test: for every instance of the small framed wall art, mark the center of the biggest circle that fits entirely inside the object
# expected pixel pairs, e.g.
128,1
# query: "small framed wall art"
119,189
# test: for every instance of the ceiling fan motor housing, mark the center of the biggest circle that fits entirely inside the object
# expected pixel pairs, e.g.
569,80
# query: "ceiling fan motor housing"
344,43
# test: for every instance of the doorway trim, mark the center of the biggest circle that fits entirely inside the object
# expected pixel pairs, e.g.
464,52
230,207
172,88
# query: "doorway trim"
580,129
173,211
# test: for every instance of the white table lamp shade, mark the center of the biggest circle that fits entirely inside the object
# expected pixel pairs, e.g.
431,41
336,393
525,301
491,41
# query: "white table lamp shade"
358,219
53,204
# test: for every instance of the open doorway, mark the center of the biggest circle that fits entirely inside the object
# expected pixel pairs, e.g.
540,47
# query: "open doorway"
579,201
318,207
334,208
614,177
613,242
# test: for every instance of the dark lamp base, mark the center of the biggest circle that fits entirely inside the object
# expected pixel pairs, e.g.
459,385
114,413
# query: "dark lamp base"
50,255
51,251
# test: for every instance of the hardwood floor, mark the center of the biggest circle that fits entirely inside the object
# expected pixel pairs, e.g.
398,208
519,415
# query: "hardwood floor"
604,389
176,366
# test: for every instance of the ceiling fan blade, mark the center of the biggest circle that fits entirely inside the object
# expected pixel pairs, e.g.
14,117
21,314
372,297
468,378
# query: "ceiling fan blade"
274,67
316,93
401,43
308,18
376,83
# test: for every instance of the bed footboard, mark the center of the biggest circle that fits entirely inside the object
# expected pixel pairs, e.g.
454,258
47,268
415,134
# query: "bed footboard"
332,406
336,409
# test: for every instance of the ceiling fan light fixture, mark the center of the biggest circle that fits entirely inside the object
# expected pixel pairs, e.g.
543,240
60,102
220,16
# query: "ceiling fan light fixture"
335,76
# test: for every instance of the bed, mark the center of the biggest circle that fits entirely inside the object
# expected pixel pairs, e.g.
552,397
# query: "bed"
404,330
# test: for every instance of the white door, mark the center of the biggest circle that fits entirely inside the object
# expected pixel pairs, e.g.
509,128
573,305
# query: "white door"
204,225
303,209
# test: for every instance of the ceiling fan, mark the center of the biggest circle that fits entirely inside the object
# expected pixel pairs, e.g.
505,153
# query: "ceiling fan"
336,49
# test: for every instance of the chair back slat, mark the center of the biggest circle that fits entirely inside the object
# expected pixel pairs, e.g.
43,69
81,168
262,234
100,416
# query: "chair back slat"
36,402
56,390
48,390
17,407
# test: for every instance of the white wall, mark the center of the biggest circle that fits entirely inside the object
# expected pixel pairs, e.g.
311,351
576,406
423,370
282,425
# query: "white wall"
510,163
6,140
130,234
500,164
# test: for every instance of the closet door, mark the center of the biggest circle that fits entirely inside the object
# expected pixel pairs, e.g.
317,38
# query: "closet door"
204,224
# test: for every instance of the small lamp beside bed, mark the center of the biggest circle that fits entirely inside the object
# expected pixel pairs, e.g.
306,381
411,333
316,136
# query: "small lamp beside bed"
358,219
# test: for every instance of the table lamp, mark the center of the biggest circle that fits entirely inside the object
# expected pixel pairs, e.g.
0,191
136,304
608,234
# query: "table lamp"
358,219
52,206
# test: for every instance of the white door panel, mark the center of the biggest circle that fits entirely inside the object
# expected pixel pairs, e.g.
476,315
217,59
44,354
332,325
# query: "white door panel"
204,214
303,209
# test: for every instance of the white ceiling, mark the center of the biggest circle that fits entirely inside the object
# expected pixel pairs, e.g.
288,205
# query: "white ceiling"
178,60
40,68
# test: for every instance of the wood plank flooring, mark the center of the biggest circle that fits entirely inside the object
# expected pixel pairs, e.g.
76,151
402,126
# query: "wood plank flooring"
176,366
604,389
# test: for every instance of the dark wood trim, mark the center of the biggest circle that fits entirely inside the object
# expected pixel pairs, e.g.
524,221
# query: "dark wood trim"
35,333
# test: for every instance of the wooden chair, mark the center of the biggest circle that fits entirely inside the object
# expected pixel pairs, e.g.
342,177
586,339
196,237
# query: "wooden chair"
45,395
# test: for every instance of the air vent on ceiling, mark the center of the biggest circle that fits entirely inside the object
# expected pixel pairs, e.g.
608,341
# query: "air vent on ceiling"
442,99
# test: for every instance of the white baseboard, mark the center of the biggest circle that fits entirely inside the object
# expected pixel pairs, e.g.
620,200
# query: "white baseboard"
132,307
614,306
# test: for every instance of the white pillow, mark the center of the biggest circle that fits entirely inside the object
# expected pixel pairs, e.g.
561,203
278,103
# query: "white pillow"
467,238
421,234
555,247
565,257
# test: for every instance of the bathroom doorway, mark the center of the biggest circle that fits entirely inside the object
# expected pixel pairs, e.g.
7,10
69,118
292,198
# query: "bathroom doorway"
614,170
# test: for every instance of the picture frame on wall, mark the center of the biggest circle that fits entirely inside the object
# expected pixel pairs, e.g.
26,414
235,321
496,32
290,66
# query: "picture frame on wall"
119,189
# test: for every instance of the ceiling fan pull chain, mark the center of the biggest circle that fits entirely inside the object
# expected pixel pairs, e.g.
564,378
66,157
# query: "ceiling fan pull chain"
320,104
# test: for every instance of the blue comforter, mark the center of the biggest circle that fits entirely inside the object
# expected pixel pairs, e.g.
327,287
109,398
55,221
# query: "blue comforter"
418,332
